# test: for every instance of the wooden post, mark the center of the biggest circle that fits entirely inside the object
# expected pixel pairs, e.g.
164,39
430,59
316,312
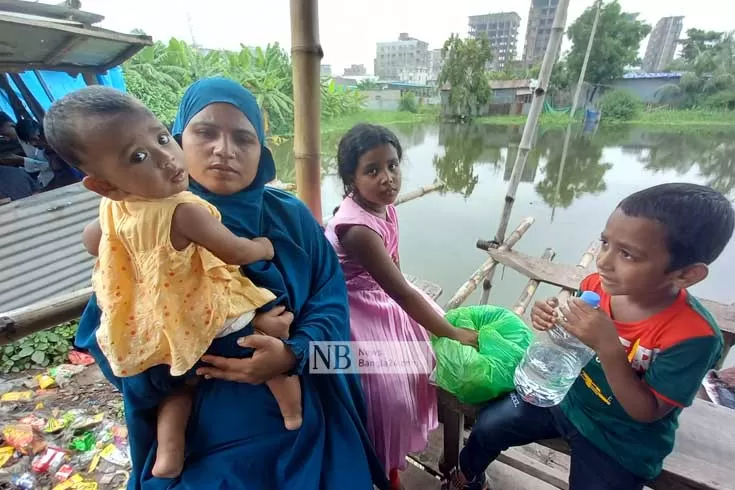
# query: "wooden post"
537,106
466,289
531,286
90,78
306,54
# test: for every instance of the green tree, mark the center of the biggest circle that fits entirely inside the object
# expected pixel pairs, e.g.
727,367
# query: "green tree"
709,79
464,72
697,42
616,45
158,75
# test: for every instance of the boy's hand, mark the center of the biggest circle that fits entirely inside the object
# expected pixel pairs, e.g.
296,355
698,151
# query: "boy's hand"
543,314
267,246
592,326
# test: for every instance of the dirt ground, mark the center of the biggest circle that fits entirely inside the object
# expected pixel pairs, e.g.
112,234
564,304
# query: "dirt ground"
74,431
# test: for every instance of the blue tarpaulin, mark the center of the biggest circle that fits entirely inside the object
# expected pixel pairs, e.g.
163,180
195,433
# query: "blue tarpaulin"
57,84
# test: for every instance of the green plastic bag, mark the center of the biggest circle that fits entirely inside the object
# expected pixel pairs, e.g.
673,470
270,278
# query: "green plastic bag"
476,377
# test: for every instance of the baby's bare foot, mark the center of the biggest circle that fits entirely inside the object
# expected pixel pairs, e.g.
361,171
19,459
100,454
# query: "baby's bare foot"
169,463
293,422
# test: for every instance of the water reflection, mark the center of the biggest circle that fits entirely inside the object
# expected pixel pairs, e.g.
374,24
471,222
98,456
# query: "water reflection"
710,154
583,173
464,147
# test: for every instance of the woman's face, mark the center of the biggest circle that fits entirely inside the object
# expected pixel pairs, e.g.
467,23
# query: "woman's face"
221,149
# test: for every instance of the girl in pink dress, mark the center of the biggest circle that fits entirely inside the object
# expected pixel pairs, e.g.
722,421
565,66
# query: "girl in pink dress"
385,309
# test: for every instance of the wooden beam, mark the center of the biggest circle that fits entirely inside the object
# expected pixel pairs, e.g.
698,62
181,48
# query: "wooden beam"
562,275
93,32
49,10
22,322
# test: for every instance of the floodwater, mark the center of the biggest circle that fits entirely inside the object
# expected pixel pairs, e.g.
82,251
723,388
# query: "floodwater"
439,231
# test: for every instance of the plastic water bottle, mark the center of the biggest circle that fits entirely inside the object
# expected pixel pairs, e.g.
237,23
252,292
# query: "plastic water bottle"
552,363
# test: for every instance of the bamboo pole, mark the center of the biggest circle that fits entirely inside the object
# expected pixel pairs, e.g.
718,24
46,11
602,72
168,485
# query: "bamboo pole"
468,287
531,286
421,191
306,53
537,105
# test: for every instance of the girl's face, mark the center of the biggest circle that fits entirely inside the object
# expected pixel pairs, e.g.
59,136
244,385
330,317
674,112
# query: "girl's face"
377,178
222,149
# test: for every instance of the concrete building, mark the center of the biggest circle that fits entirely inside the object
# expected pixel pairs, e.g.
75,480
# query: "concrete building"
406,55
355,71
501,29
435,64
325,70
540,21
662,44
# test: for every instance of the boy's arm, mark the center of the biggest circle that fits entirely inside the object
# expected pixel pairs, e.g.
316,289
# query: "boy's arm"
633,394
672,379
196,224
91,237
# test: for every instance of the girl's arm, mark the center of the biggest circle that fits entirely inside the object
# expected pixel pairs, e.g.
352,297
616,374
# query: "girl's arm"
193,223
367,247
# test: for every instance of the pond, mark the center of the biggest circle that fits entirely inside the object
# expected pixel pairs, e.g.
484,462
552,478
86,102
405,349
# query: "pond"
438,232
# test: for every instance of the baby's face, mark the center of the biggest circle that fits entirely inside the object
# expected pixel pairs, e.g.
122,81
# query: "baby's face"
131,155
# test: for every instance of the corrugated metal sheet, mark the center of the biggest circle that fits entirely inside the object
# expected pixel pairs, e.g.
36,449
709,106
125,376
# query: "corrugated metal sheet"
28,42
42,251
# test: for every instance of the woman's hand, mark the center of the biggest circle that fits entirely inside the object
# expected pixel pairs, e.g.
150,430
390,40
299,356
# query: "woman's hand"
271,358
467,337
543,314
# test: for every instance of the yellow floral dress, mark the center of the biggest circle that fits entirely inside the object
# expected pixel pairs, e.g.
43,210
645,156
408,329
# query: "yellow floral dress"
161,305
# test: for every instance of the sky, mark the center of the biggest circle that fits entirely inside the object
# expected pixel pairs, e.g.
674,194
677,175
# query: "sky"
349,29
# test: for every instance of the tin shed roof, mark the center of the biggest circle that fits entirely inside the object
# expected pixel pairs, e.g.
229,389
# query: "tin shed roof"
36,37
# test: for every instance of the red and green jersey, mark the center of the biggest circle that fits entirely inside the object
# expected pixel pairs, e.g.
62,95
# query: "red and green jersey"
671,352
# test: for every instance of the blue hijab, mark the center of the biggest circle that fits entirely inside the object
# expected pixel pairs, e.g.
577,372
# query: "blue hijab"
235,437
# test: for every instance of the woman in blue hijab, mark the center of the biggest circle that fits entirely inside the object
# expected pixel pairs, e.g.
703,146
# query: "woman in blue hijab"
236,438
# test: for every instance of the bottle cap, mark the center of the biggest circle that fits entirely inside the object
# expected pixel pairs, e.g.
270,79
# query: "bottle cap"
591,298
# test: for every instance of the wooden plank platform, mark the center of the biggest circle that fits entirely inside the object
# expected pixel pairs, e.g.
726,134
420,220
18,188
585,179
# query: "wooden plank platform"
432,290
701,459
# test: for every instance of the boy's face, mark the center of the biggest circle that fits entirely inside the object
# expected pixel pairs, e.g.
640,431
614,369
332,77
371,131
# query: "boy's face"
131,155
634,259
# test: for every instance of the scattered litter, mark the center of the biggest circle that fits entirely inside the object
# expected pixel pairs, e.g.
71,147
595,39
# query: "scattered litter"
56,433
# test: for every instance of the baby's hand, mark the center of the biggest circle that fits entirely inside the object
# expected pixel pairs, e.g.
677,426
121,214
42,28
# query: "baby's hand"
275,323
543,314
267,246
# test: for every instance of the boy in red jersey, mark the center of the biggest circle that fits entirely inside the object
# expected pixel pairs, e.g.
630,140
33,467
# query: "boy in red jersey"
654,344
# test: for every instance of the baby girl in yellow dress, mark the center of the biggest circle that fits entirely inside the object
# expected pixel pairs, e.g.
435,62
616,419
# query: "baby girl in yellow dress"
167,277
